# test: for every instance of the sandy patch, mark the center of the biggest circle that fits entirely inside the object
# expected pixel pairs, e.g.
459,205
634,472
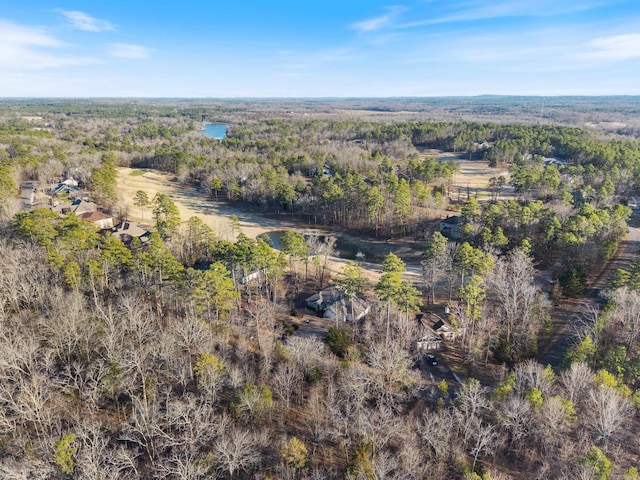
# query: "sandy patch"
473,175
190,203
476,174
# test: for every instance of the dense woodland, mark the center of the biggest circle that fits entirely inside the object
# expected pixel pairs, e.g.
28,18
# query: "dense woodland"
158,359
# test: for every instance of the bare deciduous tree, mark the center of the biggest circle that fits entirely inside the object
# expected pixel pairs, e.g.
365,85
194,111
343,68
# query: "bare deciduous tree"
519,304
236,450
609,410
484,441
531,374
286,381
306,352
625,315
576,380
514,415
263,313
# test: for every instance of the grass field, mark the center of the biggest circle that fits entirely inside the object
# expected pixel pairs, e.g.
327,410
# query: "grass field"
217,215
473,177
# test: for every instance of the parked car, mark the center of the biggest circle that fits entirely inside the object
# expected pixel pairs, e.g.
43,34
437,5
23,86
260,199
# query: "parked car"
432,360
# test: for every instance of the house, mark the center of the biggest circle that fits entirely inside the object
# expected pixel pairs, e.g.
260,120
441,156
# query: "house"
319,302
430,340
59,207
445,330
556,162
332,302
71,182
452,227
101,220
81,206
126,231
346,310
544,282
64,189
326,170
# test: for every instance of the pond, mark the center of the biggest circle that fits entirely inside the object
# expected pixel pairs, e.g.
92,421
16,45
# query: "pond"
344,248
214,130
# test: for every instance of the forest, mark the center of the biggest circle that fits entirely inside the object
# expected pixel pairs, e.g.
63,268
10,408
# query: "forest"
181,355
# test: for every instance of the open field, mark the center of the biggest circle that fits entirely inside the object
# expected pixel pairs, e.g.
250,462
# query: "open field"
216,215
190,203
473,176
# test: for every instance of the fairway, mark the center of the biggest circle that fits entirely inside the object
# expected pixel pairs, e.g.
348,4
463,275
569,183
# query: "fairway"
191,203
473,176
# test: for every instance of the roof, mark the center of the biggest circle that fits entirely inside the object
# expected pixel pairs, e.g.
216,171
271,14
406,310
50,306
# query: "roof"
430,336
441,325
455,220
94,216
129,229
70,181
82,206
329,294
341,309
65,187
543,282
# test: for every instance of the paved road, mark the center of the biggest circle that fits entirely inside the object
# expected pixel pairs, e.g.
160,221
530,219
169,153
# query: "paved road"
565,314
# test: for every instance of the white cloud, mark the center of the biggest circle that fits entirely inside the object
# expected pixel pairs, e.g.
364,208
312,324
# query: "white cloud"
373,24
25,48
12,33
616,47
127,50
82,21
483,10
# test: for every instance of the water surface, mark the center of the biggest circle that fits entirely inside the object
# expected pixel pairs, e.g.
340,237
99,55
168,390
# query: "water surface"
214,130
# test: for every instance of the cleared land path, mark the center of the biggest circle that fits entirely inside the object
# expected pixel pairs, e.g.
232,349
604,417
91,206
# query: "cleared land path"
191,203
564,315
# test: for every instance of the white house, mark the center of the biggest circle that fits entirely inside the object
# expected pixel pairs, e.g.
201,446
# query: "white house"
429,341
100,220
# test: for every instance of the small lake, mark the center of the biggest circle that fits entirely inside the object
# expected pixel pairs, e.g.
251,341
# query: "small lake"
214,130
344,248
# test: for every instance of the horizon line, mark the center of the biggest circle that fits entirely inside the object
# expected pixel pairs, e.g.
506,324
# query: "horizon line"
270,98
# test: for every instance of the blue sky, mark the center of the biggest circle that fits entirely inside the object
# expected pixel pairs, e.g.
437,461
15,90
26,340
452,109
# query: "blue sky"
241,48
